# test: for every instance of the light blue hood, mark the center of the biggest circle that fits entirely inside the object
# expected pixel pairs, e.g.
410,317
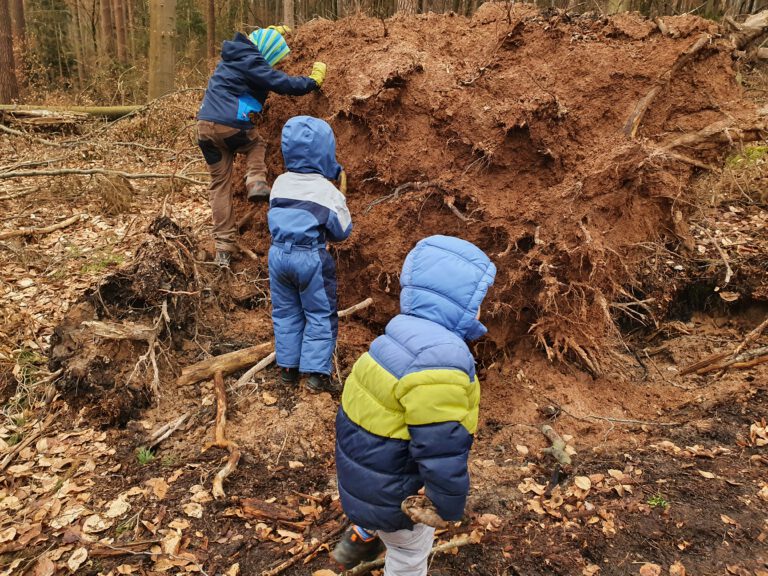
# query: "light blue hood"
445,279
309,147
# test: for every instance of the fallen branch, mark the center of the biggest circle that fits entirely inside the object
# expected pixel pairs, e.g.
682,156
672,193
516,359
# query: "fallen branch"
293,560
744,360
267,360
166,430
40,231
723,360
256,508
558,448
27,441
103,111
221,440
121,331
92,171
634,120
225,363
722,131
246,377
365,567
25,135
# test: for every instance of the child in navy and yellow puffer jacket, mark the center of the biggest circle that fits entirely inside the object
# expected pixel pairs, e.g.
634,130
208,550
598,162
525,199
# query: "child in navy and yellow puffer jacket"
305,212
410,408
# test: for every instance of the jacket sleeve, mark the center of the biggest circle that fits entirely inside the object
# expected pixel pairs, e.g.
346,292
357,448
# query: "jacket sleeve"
436,404
282,83
339,224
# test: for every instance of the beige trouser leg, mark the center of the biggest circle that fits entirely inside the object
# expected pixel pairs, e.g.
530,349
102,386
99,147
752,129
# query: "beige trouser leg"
219,144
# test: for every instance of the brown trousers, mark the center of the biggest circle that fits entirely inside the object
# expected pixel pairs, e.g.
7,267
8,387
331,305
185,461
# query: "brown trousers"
219,144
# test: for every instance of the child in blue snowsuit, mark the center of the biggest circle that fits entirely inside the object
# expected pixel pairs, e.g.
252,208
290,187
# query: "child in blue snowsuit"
236,92
305,212
409,408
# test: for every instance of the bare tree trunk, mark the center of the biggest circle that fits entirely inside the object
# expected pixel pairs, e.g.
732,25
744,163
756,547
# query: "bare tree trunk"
9,88
107,34
19,22
129,31
211,29
288,13
120,37
406,6
162,29
77,39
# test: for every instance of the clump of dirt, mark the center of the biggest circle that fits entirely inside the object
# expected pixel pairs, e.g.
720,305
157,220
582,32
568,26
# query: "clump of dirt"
508,129
110,373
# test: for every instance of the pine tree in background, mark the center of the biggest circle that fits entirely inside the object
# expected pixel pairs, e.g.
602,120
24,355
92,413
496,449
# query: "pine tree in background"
19,22
9,88
162,53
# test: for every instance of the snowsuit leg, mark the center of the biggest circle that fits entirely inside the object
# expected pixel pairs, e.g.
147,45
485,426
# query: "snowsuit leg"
318,298
407,550
287,314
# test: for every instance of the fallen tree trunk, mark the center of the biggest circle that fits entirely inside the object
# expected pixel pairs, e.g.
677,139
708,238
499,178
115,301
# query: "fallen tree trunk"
111,112
92,171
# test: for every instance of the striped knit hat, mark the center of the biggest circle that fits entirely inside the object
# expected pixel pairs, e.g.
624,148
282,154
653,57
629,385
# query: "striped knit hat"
270,43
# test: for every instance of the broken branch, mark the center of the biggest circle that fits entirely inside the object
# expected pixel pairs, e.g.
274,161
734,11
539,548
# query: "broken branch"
558,448
225,363
92,171
291,561
42,230
166,430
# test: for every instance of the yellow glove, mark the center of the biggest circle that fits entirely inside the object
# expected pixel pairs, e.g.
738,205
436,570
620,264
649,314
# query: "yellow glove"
343,182
318,73
280,28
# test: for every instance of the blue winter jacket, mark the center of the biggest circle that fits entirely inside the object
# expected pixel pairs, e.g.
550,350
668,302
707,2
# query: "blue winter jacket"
241,82
305,209
410,405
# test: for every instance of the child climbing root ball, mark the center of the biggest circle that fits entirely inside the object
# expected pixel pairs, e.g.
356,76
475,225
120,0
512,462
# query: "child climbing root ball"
305,212
409,411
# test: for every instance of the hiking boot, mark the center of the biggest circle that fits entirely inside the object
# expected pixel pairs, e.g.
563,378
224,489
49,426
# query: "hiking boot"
222,259
357,546
258,191
289,375
322,383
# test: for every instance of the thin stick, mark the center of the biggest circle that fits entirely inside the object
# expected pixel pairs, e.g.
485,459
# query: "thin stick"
291,561
91,171
165,431
357,307
40,231
221,440
25,135
263,363
27,441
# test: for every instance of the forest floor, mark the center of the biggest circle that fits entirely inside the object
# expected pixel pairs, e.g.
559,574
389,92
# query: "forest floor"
632,270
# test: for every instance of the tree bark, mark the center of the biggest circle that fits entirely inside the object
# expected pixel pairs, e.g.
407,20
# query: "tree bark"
120,38
106,29
211,30
9,87
162,54
19,22
406,6
288,13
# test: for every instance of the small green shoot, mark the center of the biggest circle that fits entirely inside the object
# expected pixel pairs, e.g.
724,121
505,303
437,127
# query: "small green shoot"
144,455
14,439
658,501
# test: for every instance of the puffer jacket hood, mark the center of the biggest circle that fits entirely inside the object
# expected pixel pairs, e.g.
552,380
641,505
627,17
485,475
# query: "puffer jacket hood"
309,147
445,279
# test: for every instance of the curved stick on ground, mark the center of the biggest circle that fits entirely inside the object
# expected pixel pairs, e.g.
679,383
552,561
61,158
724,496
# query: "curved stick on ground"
221,440
308,553
365,567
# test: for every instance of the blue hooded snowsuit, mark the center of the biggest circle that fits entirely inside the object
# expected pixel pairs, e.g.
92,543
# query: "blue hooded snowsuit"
305,212
243,78
410,405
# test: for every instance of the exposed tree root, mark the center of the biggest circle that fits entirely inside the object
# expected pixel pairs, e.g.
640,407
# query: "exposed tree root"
221,440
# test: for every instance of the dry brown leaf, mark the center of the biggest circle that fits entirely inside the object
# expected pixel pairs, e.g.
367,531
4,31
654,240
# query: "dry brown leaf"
530,485
616,474
179,524
737,570
117,507
583,483
126,569
193,509
175,476
728,520
77,558
490,522
705,474
650,569
268,399
171,542
324,572
233,570
159,487
8,534
677,569
44,567
763,493
95,523
590,570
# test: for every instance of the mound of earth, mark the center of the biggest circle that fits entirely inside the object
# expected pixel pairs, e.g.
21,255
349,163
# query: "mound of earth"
509,130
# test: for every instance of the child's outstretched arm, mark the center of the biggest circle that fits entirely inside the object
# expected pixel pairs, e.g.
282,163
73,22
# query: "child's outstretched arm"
441,415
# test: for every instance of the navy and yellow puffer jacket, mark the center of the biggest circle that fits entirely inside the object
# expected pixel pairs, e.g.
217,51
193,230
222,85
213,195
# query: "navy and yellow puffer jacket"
410,405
